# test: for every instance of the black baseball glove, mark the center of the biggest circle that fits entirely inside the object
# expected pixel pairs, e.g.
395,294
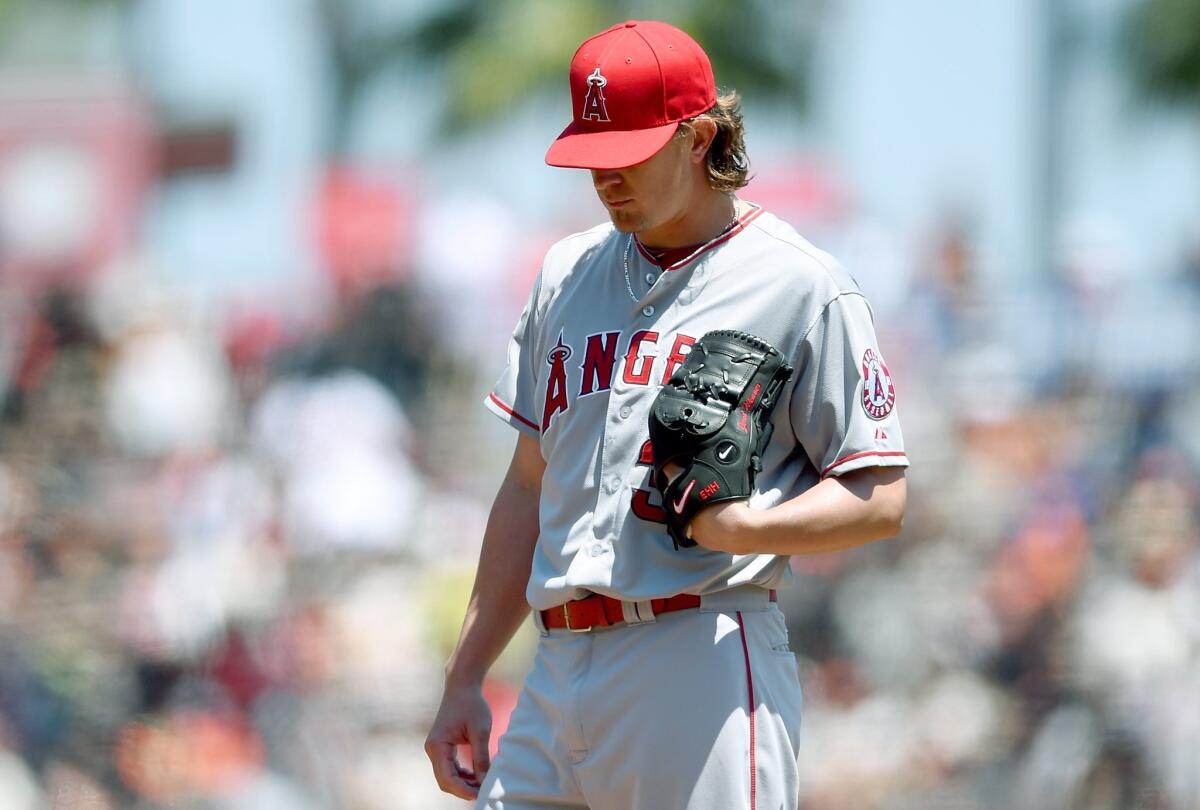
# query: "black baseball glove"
712,418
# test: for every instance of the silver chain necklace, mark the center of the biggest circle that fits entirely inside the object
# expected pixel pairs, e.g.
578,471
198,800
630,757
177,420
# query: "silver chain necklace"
625,261
629,244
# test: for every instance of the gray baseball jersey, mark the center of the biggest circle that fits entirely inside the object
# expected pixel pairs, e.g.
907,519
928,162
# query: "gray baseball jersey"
605,327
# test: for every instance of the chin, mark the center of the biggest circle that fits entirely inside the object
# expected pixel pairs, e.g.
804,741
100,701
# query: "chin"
626,224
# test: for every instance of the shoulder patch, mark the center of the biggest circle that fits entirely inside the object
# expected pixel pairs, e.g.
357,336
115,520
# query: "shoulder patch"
878,393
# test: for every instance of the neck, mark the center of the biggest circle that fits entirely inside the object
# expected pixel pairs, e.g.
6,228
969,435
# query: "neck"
701,221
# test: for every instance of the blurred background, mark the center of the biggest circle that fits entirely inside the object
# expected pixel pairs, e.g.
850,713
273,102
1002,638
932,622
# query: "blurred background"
258,264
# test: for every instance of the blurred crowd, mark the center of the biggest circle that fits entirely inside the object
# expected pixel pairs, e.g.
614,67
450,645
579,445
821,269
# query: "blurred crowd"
235,547
225,550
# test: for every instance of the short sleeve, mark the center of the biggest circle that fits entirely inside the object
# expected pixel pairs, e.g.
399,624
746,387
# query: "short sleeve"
513,398
843,406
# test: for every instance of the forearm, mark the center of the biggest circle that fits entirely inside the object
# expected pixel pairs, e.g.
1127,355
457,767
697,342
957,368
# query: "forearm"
497,605
838,513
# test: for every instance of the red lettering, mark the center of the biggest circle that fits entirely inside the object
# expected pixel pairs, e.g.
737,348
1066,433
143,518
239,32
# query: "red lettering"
642,375
708,491
677,355
598,360
642,507
749,403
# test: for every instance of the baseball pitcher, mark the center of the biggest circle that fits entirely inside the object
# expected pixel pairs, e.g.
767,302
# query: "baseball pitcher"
698,394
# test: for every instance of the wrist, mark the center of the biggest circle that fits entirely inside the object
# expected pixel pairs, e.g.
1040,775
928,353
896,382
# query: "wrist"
462,677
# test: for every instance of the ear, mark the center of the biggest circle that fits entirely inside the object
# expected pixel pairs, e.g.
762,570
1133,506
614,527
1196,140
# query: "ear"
704,130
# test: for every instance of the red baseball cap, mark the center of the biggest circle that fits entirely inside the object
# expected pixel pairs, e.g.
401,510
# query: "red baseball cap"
630,87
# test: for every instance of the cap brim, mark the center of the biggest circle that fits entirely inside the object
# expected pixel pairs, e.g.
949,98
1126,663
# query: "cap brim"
576,148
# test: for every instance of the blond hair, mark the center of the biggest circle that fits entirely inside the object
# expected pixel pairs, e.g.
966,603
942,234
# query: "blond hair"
728,164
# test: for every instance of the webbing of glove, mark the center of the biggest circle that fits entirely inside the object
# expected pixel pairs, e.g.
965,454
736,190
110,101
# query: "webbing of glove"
712,418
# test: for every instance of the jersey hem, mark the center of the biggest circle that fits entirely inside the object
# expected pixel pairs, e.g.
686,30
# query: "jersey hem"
499,407
869,458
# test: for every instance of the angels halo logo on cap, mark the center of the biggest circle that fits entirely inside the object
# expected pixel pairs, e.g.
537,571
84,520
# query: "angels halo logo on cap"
631,85
594,108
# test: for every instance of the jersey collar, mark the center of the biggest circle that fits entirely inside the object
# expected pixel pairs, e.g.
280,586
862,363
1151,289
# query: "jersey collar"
739,225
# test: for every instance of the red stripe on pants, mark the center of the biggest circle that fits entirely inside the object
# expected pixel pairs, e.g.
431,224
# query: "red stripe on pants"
750,690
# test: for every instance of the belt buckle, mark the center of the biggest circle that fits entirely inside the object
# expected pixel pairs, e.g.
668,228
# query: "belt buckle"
567,619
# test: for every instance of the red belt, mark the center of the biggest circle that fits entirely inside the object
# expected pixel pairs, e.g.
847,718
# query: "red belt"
598,610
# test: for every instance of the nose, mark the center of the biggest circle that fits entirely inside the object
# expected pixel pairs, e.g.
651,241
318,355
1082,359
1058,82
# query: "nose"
604,179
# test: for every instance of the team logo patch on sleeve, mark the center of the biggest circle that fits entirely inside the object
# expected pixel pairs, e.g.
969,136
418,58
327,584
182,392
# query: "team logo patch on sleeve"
878,393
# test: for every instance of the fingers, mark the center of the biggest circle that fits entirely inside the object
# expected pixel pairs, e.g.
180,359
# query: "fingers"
480,757
451,777
463,720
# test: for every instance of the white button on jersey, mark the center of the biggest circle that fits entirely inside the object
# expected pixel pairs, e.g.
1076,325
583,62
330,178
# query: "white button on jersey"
625,411
649,278
647,311
597,550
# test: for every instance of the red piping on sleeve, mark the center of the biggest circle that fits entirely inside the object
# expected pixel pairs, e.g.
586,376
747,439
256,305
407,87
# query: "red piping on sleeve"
500,404
853,456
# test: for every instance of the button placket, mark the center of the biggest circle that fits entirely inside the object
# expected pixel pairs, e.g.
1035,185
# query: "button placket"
651,278
612,481
612,478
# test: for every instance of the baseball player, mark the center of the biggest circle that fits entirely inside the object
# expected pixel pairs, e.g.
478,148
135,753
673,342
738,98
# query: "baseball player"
698,395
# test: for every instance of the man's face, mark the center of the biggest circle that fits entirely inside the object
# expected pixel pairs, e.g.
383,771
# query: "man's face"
648,194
